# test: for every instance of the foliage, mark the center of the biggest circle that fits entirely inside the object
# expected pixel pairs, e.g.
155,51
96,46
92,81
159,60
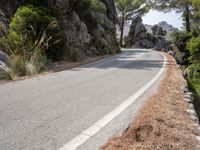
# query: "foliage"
179,40
183,6
196,17
33,36
4,75
34,24
194,48
98,6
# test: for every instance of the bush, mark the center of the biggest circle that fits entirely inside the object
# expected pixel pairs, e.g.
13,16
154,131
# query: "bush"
31,25
98,6
4,75
18,66
194,49
179,40
33,38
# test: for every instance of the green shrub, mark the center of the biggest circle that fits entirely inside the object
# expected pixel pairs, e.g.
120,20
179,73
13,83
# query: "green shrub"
30,25
98,6
194,49
179,40
18,66
33,38
4,75
37,64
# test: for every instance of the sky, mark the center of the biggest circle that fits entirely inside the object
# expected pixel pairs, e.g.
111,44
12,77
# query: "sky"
154,17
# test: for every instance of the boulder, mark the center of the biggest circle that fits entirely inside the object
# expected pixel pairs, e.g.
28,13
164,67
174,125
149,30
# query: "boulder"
139,37
4,65
4,58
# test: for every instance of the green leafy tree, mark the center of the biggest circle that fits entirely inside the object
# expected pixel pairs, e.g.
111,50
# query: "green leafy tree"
127,10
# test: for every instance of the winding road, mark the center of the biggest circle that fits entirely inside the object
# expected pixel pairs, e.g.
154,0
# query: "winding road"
78,108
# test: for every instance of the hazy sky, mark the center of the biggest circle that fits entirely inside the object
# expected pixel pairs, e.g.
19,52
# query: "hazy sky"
154,17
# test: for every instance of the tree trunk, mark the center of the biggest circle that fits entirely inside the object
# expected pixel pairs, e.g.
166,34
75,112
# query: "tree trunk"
187,18
122,33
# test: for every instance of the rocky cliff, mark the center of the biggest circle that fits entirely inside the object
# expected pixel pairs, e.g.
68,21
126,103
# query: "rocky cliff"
139,37
85,29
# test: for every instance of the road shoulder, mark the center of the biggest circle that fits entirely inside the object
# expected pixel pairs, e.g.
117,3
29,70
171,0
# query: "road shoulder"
162,122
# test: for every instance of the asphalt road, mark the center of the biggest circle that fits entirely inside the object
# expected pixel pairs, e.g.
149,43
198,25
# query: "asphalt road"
48,111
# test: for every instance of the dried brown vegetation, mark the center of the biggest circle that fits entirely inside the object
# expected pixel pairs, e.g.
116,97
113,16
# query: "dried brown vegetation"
162,123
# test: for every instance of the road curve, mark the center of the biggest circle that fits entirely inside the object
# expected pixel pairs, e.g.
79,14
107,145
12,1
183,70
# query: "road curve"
48,111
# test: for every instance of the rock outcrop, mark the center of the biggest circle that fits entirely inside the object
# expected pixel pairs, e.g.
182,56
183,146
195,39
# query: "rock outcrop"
111,10
7,8
75,32
104,34
139,37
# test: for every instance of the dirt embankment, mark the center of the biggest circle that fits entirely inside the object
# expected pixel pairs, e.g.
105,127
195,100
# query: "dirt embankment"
163,122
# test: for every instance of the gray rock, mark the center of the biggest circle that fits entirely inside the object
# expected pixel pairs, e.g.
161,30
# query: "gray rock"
3,25
140,38
4,58
111,10
158,31
143,43
103,34
76,32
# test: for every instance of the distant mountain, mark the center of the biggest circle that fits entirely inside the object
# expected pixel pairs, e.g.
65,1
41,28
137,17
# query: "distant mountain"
169,28
165,25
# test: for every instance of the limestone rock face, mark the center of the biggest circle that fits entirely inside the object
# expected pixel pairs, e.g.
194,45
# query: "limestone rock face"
7,8
75,32
3,25
139,37
104,34
158,31
111,10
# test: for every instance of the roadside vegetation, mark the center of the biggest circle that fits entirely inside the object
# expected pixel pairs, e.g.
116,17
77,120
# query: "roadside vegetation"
35,38
186,42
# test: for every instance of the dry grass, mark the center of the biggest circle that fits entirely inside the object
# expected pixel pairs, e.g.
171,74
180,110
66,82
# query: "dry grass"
162,123
61,66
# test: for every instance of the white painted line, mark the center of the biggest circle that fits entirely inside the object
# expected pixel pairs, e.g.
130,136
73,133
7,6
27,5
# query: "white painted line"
85,135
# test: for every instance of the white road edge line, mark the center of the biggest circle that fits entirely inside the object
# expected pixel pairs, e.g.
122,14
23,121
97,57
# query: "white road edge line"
96,127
